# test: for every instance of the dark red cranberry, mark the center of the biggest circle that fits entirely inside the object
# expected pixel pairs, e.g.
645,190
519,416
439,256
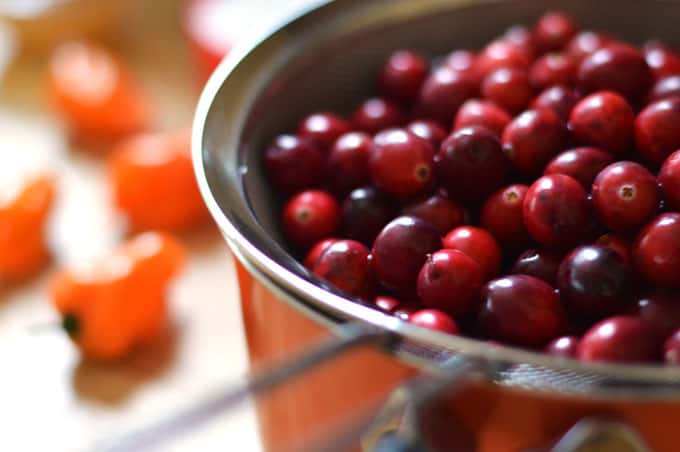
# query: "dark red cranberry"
657,133
671,349
586,43
404,312
557,98
477,112
434,319
441,212
594,282
499,54
564,347
400,250
661,311
310,216
293,163
583,164
346,265
539,263
553,69
460,60
401,164
430,131
618,339
521,310
316,251
521,37
556,211
386,304
347,165
508,88
553,31
479,245
656,252
617,243
604,120
377,114
471,164
669,180
444,91
532,139
365,212
450,280
502,216
323,129
616,67
662,60
402,75
625,195
665,87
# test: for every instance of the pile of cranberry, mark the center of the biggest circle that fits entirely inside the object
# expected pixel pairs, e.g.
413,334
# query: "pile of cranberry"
527,194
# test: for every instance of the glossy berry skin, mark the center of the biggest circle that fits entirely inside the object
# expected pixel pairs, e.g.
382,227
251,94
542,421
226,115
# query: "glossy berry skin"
564,347
625,195
502,215
450,280
521,37
434,319
402,75
671,349
386,304
618,339
428,130
553,31
315,252
400,250
483,113
669,180
401,164
441,212
479,245
365,211
293,163
460,60
444,91
346,265
594,282
539,263
619,244
661,311
499,54
377,114
665,87
605,120
656,131
347,163
403,312
532,139
583,164
656,252
310,216
560,99
508,88
521,310
556,211
586,43
471,164
323,129
553,69
661,59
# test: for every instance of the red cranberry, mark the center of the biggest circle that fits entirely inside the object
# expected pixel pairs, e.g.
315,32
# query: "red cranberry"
377,114
521,37
564,347
662,60
556,211
583,164
440,212
471,164
434,319
479,245
400,250
316,251
450,280
656,130
310,216
508,88
604,120
293,164
386,304
499,54
404,312
559,98
521,310
346,265
616,67
553,69
539,263
665,87
594,282
401,163
347,166
428,130
669,180
586,43
444,91
625,195
661,311
553,31
617,243
532,139
402,75
477,112
323,129
656,252
502,215
618,339
460,60
365,212
671,349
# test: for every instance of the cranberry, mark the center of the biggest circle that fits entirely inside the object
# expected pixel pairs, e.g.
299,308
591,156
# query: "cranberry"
347,165
656,129
669,180
434,319
625,195
502,215
471,164
400,250
532,139
444,91
556,211
671,349
521,37
617,243
662,60
564,347
618,339
553,31
586,43
377,114
439,211
365,212
323,129
310,216
386,304
403,312
557,98
316,251
521,310
665,87
616,67
539,263
479,245
460,60
656,251
401,163
604,120
428,130
594,281
553,69
661,311
450,280
346,265
583,164
293,163
476,112
499,54
402,75
508,88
